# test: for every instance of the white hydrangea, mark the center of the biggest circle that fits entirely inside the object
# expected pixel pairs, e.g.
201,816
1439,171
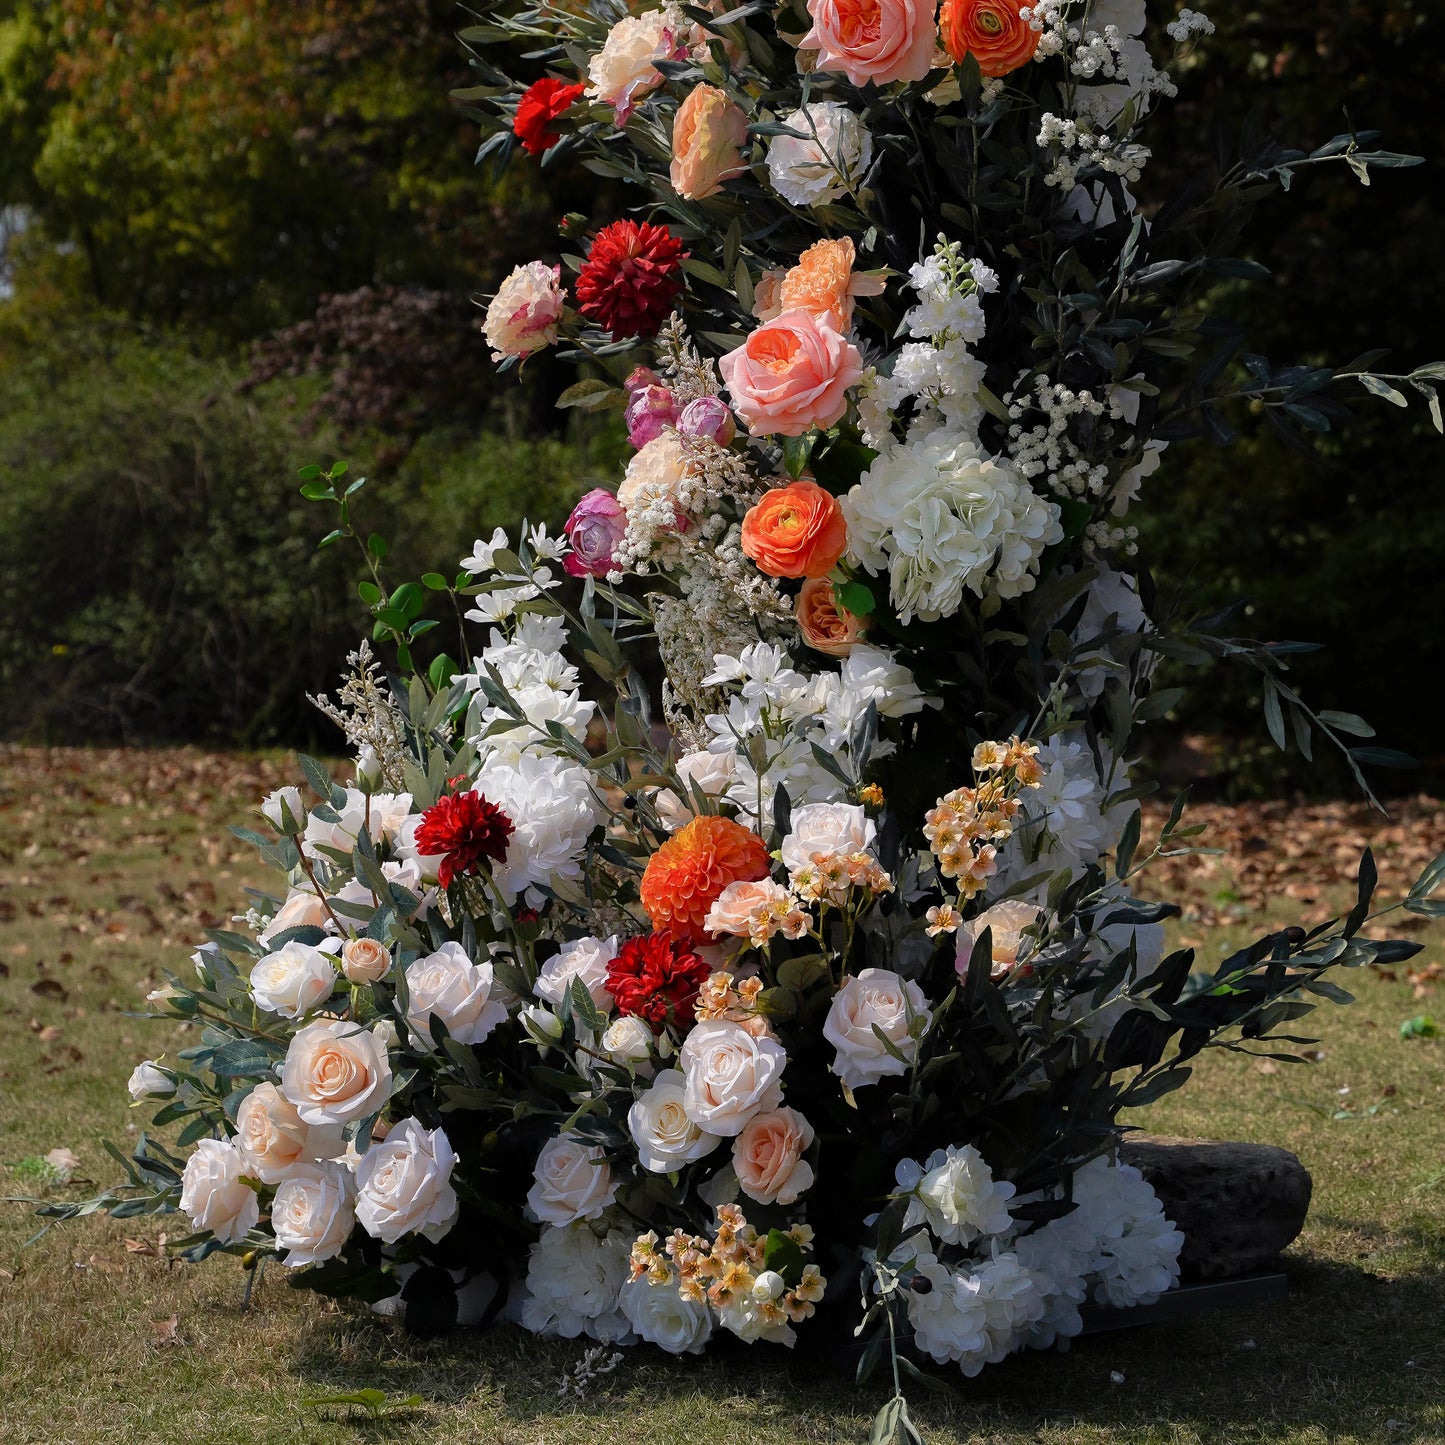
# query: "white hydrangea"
1136,1253
976,1314
575,1276
941,517
826,159
552,807
1111,605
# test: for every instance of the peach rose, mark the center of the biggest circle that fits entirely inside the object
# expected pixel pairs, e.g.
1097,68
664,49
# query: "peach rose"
823,282
989,30
274,1140
708,135
336,1071
877,40
302,909
365,960
826,625
791,375
768,1156
1007,922
795,531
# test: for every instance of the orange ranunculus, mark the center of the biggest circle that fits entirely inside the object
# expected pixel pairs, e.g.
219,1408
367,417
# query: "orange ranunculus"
686,876
795,531
823,282
827,626
708,135
989,30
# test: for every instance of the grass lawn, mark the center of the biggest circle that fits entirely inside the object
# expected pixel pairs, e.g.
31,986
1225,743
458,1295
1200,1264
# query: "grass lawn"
110,865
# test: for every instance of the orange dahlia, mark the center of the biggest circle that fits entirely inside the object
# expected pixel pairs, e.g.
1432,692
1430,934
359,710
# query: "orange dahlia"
687,874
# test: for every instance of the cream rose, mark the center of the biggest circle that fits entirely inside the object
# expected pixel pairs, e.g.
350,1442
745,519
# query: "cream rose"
656,470
629,1042
585,959
462,994
768,1156
665,1137
878,997
336,1071
622,72
313,1213
214,1193
573,1181
365,960
403,1185
663,1318
842,828
1007,921
274,1139
711,773
522,317
730,1076
294,980
827,156
873,40
284,810
149,1081
302,909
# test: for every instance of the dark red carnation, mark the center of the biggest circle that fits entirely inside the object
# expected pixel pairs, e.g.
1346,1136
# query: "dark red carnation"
542,103
462,829
656,977
630,279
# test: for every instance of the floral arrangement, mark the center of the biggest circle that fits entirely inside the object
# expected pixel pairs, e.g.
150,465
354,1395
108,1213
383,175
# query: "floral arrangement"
823,988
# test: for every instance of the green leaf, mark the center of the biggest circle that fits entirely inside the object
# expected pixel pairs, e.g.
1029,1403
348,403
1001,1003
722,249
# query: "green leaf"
591,394
785,1255
796,451
1128,844
434,581
1364,890
1377,387
317,491
1273,716
369,593
1347,722
855,598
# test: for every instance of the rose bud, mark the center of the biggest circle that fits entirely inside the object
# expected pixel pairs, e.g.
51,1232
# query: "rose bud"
708,418
649,410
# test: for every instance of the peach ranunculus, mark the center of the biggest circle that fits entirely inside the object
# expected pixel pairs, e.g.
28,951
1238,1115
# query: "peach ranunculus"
708,135
522,317
1006,922
792,375
622,72
873,40
768,1156
992,31
823,282
827,626
795,531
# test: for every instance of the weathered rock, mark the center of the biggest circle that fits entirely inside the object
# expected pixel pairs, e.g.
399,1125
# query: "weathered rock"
1238,1205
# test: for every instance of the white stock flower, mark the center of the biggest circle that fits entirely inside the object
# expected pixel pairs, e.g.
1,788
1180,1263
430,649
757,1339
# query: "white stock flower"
957,1195
826,828
665,1137
313,1213
585,959
660,1315
404,1184
730,1075
214,1194
483,554
575,1276
336,1071
294,980
573,1181
462,994
274,1139
827,158
874,997
149,1081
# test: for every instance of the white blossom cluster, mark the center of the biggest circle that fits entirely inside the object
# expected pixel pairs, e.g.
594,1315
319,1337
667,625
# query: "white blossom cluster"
1075,146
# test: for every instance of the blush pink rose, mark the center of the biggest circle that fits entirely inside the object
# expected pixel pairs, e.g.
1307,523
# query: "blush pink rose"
792,375
768,1156
873,40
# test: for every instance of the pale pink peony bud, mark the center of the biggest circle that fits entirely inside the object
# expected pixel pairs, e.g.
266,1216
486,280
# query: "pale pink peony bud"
708,417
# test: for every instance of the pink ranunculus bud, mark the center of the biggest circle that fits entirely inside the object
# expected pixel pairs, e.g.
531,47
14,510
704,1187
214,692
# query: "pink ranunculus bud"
597,524
649,410
708,417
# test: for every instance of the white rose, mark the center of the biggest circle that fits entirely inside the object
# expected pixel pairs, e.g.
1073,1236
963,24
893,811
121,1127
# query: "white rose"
826,828
730,1076
404,1185
711,773
462,994
381,814
628,1041
302,909
665,1137
1127,15
274,1139
313,1213
284,810
827,158
960,1198
584,958
542,1026
663,1318
336,1071
149,1081
214,1194
1007,922
874,996
768,1285
622,72
294,980
574,1181
365,960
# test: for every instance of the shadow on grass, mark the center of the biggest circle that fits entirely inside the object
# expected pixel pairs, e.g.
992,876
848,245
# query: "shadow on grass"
1347,1354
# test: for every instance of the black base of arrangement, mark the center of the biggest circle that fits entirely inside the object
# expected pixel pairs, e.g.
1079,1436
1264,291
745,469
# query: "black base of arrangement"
1187,1300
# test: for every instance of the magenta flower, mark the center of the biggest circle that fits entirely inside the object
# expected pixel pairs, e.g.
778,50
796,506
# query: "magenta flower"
595,528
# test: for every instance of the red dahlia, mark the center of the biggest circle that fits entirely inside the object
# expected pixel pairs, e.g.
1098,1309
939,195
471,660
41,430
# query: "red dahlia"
542,103
656,977
463,828
630,278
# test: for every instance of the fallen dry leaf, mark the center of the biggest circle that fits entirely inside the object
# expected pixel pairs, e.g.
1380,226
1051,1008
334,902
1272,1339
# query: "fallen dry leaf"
63,1160
50,988
166,1330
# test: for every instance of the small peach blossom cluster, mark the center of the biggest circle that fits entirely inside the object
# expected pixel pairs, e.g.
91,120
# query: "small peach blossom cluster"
729,1272
831,877
757,911
726,997
967,825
